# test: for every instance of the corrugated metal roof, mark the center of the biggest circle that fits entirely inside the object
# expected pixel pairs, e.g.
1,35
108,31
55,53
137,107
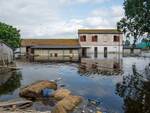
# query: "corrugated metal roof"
49,42
99,31
56,47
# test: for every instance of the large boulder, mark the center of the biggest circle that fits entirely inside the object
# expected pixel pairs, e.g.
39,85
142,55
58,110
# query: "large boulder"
67,104
61,93
34,90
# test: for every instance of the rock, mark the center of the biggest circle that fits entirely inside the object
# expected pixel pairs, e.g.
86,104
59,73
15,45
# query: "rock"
67,104
61,93
34,90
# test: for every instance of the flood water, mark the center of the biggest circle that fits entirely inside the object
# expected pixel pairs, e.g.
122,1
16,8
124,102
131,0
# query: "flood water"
120,86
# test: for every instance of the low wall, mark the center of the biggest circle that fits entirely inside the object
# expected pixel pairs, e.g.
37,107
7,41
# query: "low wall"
129,52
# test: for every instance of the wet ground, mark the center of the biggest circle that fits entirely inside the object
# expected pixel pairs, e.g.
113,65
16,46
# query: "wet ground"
111,85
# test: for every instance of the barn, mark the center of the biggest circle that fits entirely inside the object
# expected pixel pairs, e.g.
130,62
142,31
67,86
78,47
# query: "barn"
50,49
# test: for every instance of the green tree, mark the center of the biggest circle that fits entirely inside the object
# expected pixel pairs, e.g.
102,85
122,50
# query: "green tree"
147,42
127,43
10,35
131,28
137,19
139,11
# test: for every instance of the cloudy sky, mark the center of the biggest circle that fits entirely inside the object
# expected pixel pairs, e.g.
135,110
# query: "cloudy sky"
59,18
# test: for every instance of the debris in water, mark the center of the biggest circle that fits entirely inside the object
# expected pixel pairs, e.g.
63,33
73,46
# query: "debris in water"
47,92
34,90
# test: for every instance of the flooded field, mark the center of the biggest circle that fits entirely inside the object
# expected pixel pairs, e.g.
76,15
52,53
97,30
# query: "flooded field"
119,84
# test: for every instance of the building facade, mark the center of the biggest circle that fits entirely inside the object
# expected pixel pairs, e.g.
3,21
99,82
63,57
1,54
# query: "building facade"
97,41
90,41
6,54
51,49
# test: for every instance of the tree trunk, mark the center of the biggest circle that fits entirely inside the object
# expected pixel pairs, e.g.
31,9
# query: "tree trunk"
133,46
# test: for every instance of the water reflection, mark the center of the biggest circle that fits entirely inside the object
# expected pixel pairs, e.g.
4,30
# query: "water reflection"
10,82
112,65
135,91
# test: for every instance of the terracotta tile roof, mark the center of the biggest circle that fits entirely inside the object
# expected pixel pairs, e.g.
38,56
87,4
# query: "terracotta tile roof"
99,31
49,42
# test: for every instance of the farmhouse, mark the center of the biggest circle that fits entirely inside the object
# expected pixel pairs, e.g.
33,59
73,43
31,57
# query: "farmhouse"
50,49
90,41
96,41
6,54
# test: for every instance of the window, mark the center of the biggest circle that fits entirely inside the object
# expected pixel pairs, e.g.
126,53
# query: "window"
116,38
83,38
55,54
95,52
94,38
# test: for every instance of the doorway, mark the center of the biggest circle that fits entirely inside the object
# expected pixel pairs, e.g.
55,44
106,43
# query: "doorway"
95,52
105,52
84,52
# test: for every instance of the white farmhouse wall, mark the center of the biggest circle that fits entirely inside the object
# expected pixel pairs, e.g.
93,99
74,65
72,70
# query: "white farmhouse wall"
110,49
104,40
62,55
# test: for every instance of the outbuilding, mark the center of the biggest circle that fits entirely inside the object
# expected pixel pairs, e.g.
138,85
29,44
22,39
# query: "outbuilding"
51,49
6,54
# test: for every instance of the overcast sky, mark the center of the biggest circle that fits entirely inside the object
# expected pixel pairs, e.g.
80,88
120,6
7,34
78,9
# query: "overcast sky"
59,18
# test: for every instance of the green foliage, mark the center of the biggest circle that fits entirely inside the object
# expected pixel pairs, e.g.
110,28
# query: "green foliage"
10,35
139,10
137,19
147,42
130,28
127,42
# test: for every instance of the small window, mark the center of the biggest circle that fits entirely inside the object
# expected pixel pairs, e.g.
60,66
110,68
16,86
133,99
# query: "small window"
83,38
94,38
116,38
56,55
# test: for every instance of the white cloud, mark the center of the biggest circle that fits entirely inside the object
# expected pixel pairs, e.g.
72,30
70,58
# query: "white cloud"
114,11
118,11
41,18
82,1
106,17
